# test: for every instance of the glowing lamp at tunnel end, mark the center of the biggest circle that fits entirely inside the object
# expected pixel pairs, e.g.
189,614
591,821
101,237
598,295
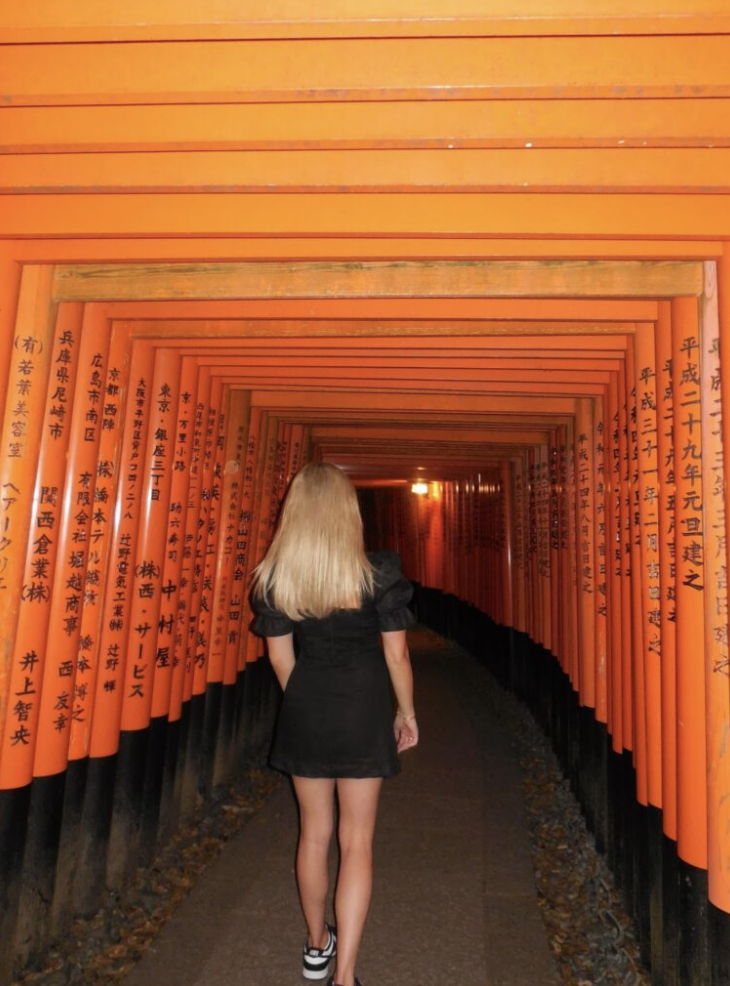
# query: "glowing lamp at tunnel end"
420,489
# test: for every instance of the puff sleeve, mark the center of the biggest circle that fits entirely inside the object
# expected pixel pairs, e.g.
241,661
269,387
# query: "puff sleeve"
393,594
269,622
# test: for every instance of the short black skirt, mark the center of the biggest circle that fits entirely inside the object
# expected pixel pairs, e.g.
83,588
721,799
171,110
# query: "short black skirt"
337,721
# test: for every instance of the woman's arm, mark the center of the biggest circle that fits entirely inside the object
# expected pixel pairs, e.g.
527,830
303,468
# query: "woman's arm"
281,655
395,648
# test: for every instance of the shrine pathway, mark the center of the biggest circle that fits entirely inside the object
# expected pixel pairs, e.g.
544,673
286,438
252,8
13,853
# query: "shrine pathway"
454,899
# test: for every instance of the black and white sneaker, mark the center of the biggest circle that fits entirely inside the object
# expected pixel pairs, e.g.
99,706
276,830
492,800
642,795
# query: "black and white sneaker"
316,961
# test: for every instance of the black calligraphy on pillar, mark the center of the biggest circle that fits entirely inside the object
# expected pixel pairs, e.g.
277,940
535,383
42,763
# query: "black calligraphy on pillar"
585,519
688,456
647,429
715,490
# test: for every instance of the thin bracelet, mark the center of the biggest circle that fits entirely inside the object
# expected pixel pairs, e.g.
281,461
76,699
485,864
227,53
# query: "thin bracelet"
404,717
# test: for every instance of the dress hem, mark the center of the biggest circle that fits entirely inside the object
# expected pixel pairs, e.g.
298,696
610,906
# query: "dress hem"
356,770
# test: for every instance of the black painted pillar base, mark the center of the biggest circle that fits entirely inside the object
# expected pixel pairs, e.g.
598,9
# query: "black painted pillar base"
586,779
153,787
651,949
168,814
176,806
192,757
89,884
225,741
240,723
127,811
668,970
613,825
642,879
627,818
68,850
14,807
694,958
601,749
211,719
719,936
45,818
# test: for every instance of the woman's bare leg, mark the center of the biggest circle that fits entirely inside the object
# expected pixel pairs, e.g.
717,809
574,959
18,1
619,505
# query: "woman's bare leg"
316,821
358,810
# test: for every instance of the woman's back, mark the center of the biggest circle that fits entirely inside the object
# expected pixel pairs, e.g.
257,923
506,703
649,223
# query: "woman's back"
336,717
348,635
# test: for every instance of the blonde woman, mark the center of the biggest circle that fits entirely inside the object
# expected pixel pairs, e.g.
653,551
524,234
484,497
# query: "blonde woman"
335,731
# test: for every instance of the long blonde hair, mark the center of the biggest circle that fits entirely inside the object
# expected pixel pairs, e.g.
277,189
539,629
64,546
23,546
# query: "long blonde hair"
316,562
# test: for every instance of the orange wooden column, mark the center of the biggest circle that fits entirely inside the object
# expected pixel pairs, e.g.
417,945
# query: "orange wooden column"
624,612
212,492
17,743
636,606
648,533
457,572
533,580
586,566
207,523
613,668
508,577
556,623
167,690
718,379
66,666
440,548
225,619
614,562
115,627
237,644
717,657
690,569
189,574
297,458
466,549
260,524
433,575
568,603
667,576
544,546
145,652
281,468
10,275
221,542
603,654
723,299
27,379
520,545
573,572
100,536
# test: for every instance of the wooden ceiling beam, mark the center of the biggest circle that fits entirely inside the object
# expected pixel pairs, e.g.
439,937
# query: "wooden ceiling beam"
352,401
350,70
194,249
697,171
381,279
447,125
135,20
362,215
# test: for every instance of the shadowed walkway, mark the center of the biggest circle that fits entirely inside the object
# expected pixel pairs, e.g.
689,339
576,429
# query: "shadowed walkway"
454,898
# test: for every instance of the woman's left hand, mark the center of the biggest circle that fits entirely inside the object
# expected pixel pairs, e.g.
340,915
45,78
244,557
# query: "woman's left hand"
406,733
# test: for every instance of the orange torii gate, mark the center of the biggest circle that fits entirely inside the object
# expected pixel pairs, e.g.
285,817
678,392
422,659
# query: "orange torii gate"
495,247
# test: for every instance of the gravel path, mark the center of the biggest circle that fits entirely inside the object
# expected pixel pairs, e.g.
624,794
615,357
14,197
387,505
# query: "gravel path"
590,934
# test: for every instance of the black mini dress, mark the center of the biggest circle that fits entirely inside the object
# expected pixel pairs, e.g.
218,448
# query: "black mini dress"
336,717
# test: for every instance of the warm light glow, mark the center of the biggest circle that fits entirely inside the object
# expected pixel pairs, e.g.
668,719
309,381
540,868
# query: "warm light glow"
420,488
